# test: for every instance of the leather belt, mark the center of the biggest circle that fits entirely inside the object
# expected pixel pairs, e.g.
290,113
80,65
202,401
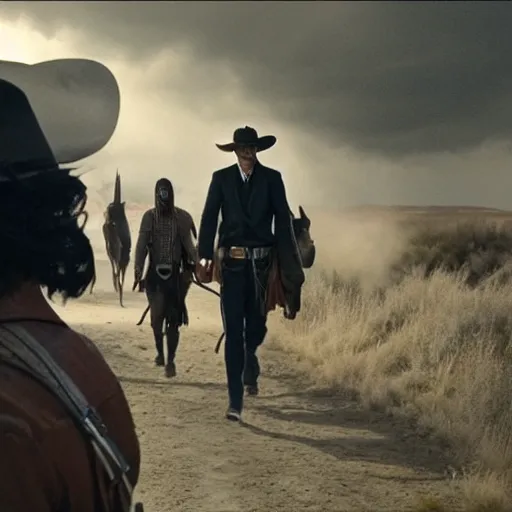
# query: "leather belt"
244,253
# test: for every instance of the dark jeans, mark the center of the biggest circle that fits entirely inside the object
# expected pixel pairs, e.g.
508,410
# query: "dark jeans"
245,320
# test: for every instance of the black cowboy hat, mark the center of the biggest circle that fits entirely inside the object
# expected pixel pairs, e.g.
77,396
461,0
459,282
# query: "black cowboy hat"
24,150
248,137
75,103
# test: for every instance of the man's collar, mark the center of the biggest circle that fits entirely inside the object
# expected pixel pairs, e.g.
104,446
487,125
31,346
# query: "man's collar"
242,173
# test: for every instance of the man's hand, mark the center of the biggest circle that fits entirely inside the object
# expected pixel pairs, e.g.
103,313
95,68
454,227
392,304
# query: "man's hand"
206,264
204,271
189,266
137,278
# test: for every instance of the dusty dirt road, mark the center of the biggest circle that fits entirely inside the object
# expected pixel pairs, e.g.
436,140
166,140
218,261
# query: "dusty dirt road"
299,450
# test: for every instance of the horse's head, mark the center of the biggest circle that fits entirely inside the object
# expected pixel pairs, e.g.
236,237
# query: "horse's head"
301,227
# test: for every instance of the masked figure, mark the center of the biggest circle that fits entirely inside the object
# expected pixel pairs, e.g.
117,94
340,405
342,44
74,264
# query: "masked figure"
165,235
250,197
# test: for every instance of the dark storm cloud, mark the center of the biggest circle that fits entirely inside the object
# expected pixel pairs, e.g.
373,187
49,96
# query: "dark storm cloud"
391,78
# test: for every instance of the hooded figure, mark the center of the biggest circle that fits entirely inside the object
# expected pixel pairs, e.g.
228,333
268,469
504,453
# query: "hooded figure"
164,196
165,236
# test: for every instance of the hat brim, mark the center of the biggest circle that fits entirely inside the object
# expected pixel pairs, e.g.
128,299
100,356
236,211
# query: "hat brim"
262,144
76,102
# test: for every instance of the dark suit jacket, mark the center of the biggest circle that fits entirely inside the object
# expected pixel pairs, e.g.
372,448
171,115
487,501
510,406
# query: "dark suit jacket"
247,221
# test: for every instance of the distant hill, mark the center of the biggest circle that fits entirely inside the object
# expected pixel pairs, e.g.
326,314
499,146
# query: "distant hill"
420,209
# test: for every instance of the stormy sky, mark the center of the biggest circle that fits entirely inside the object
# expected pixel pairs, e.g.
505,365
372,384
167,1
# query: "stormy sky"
371,102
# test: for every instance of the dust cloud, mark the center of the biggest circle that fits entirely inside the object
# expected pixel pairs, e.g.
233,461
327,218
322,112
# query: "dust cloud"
358,245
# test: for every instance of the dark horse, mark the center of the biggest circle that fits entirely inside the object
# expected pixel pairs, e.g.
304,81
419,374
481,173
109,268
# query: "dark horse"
306,245
116,232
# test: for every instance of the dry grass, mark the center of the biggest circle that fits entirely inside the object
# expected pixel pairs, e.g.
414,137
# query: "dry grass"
431,339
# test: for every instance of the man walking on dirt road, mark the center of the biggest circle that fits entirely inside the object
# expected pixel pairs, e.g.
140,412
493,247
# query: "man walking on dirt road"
165,235
250,196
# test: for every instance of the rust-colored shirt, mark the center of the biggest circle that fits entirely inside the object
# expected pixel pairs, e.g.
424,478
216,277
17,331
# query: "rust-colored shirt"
45,464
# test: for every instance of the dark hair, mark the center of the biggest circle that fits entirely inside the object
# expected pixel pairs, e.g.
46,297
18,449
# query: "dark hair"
41,239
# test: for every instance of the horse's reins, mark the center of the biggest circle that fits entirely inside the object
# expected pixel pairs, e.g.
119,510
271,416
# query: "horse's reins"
198,283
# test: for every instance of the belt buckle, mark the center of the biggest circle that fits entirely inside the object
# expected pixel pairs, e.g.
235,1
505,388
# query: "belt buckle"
164,271
237,253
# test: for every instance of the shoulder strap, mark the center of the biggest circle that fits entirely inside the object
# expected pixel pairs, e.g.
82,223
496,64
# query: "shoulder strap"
19,349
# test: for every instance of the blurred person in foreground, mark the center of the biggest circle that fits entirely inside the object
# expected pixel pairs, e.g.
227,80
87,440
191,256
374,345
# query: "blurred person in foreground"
54,457
250,197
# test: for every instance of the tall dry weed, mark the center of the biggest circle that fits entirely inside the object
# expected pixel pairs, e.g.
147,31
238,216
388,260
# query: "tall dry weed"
435,342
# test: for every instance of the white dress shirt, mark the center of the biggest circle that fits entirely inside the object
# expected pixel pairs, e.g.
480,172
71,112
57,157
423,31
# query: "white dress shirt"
245,177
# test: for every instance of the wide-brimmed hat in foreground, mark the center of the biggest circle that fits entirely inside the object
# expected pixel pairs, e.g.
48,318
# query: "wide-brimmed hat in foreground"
71,104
